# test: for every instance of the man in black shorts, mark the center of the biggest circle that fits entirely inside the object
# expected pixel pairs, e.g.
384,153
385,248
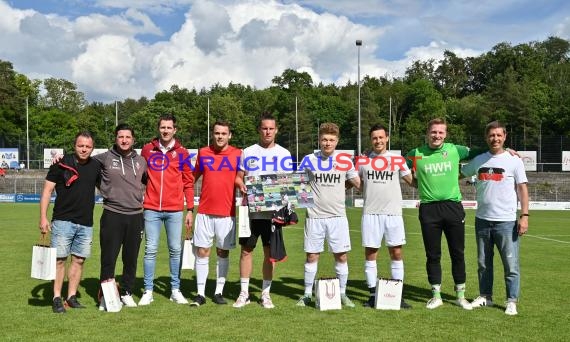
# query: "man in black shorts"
263,158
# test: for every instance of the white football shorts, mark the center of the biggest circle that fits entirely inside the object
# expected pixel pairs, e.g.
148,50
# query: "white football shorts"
375,227
334,229
208,227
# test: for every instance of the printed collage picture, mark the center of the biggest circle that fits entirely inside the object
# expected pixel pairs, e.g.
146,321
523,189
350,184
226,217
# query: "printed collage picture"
271,192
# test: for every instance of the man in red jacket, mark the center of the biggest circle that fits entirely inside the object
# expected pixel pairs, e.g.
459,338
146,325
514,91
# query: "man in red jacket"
170,181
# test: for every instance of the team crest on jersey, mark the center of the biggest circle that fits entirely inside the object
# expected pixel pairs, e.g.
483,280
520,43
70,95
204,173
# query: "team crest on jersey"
173,154
251,163
115,163
444,154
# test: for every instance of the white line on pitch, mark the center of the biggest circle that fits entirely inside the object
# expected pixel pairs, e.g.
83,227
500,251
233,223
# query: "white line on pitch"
543,238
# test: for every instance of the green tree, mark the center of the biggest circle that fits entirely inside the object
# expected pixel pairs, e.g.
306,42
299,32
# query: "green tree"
63,95
423,102
451,76
12,106
52,127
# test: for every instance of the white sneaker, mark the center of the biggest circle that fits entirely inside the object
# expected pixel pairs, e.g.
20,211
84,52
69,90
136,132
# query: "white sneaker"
305,300
266,301
511,309
128,301
146,298
177,297
434,303
464,303
346,301
102,306
242,300
481,301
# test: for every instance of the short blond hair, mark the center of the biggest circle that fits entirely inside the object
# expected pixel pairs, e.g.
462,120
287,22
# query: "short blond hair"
436,121
329,128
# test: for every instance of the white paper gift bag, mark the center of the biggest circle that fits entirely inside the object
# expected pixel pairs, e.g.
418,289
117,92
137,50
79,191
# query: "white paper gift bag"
328,294
111,295
388,294
243,221
188,255
43,261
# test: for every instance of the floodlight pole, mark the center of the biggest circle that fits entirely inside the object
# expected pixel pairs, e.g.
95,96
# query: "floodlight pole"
296,131
358,45
27,134
390,125
208,123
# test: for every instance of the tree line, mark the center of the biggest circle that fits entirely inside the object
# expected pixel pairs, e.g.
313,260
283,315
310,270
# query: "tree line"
526,86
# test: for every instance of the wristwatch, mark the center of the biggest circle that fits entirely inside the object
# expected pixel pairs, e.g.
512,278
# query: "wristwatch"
524,215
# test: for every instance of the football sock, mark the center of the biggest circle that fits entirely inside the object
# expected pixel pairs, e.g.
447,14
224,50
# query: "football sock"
310,273
436,290
201,274
342,274
371,272
460,290
397,267
372,291
266,286
222,267
244,284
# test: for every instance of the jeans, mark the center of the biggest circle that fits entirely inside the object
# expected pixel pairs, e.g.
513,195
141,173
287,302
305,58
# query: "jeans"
71,238
505,236
152,225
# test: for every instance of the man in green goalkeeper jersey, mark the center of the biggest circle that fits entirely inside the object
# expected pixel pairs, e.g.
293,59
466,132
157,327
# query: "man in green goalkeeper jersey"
436,168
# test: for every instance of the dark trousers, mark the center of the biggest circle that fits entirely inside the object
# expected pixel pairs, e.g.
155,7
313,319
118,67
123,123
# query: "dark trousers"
120,230
447,217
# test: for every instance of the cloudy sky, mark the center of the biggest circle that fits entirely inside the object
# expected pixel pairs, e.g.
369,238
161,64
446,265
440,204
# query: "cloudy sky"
114,49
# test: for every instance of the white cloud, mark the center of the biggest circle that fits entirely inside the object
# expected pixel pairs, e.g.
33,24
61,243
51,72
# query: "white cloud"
250,41
264,39
563,29
109,66
364,8
211,22
130,23
10,18
150,6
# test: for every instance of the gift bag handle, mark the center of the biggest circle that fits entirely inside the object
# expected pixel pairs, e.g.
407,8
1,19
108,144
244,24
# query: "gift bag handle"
43,240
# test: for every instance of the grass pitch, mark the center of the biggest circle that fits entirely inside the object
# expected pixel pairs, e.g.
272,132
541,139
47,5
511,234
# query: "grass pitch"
543,307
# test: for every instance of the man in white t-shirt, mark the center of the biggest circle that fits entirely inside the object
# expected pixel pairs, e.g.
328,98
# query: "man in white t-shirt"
263,158
501,181
328,171
380,172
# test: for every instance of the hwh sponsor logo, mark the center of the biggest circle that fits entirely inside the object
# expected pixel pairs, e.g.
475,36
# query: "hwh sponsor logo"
379,175
327,178
438,167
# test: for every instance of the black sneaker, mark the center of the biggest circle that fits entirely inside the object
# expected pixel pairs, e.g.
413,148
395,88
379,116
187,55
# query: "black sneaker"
404,305
219,299
57,305
370,303
198,301
73,303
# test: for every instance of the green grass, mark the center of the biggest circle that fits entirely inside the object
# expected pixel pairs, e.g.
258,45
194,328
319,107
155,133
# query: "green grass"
543,309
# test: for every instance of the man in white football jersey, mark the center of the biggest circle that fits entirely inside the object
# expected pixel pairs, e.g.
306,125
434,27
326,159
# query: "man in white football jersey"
263,158
328,171
380,172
